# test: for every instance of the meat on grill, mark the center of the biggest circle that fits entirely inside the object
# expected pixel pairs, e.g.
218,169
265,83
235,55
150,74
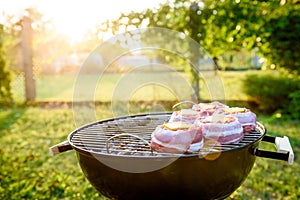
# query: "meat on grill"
244,116
188,128
208,109
224,129
184,115
177,137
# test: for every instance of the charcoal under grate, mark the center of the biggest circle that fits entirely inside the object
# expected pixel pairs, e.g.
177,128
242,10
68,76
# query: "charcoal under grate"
131,135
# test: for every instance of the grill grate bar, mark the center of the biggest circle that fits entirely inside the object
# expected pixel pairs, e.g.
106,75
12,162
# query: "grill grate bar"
99,140
127,146
95,137
104,138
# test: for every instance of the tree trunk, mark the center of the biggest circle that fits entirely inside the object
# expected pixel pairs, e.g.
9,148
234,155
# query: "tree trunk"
26,42
194,52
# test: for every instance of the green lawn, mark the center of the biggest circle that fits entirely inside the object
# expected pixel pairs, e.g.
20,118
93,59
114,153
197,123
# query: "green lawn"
139,87
28,172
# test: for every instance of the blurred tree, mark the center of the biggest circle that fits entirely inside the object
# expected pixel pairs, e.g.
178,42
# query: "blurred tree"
221,26
26,49
5,75
280,35
48,45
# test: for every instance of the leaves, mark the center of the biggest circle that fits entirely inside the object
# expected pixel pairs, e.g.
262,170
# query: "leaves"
5,75
221,26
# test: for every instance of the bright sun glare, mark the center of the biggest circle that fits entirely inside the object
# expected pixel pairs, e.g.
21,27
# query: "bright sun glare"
74,18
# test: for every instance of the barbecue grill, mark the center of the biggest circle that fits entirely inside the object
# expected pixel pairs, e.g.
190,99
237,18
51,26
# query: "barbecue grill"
116,157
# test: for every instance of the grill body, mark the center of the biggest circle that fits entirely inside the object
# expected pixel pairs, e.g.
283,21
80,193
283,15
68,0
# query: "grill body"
186,178
214,173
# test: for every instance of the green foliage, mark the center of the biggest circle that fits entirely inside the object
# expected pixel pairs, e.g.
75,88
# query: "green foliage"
281,35
220,26
5,75
273,92
294,106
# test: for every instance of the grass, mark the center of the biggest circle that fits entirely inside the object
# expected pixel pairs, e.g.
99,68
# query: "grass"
28,172
273,179
169,86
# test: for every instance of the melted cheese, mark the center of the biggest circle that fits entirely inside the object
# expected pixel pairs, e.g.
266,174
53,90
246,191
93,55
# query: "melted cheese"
234,110
177,125
188,112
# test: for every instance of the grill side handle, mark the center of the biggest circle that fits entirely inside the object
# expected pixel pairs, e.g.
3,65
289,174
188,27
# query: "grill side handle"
283,146
59,148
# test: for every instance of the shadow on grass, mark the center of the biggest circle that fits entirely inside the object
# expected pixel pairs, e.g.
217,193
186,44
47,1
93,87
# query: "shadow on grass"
8,116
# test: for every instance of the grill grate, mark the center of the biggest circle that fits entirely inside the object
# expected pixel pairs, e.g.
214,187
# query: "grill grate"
131,136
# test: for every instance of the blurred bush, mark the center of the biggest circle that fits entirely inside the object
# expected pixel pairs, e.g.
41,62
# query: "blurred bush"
274,93
294,105
5,74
